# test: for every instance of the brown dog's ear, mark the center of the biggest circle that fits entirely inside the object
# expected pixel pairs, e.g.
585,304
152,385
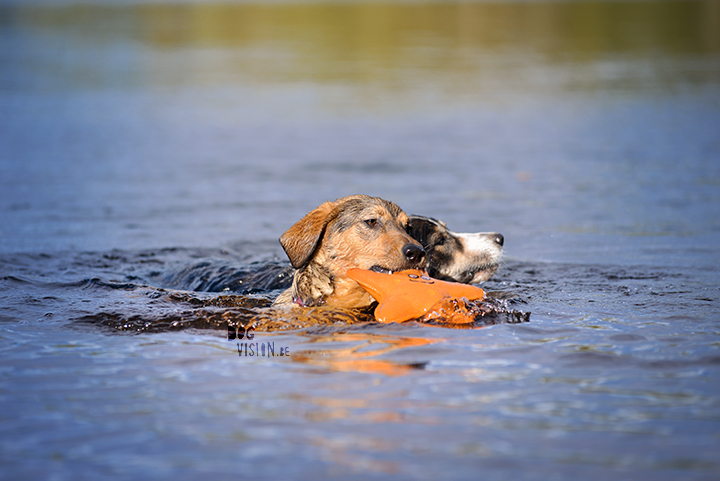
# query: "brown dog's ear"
301,240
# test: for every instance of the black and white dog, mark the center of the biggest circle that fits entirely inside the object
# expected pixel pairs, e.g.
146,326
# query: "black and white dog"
459,257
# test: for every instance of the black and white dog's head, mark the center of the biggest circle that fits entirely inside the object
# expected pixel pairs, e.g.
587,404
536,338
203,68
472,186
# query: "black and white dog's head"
452,256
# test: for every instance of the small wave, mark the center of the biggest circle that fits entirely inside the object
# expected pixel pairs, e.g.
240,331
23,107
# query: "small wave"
172,289
16,280
216,318
183,310
217,276
96,283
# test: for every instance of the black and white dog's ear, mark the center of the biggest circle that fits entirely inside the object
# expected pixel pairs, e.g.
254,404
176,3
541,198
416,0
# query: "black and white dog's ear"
421,228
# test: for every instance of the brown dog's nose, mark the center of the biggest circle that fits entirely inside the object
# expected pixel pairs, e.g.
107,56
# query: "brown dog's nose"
414,253
499,239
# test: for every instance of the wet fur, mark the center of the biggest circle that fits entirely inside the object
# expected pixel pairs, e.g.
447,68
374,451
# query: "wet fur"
459,257
355,231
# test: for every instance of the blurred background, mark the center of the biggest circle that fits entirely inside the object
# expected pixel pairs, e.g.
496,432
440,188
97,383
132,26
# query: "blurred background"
585,131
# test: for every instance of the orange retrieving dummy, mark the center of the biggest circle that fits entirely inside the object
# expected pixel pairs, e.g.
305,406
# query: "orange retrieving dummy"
410,294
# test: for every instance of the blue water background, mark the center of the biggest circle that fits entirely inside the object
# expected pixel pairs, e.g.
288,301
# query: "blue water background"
137,139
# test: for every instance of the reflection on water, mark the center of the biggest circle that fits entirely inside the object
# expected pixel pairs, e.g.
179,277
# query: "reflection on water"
360,355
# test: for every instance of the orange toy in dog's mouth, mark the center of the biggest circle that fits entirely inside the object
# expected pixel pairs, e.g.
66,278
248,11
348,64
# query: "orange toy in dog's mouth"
411,294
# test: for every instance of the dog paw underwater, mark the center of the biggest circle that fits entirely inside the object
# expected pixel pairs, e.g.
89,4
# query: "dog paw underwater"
358,259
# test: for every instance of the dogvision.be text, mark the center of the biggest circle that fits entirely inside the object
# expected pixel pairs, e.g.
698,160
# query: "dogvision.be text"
260,349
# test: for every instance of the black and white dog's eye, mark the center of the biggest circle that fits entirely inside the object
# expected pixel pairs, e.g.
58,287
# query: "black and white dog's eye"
371,222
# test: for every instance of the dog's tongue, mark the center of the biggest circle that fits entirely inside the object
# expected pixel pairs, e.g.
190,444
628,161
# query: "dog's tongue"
409,294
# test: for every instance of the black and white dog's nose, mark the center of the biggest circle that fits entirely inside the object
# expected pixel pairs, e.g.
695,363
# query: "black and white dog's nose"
499,239
414,253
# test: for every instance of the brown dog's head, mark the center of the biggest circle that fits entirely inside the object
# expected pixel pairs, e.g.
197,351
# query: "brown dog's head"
355,231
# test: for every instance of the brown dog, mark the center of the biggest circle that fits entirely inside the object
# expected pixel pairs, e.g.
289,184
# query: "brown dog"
355,231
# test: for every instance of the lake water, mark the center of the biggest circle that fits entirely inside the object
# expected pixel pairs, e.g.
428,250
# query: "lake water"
152,153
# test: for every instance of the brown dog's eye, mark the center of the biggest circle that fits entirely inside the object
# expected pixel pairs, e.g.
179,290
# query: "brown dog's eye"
371,222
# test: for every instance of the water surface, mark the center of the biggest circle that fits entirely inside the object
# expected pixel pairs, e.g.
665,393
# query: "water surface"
152,153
